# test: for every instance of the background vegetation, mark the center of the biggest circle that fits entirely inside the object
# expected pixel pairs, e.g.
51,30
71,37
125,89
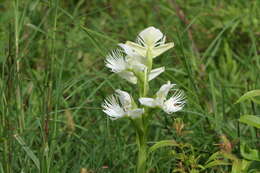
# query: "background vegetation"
53,81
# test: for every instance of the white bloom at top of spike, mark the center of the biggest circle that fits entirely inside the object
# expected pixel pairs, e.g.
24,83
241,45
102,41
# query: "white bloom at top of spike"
120,105
173,104
150,39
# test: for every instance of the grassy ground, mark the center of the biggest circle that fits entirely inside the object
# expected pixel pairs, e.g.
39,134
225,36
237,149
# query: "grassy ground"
53,81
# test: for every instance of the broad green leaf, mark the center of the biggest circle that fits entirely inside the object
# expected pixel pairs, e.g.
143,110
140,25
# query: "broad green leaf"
28,151
164,143
250,120
248,153
249,95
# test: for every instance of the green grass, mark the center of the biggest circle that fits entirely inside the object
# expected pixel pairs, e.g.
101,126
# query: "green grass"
53,81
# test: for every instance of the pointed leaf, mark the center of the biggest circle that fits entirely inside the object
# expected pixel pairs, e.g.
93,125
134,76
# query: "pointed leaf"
164,143
248,153
249,95
250,120
28,151
216,163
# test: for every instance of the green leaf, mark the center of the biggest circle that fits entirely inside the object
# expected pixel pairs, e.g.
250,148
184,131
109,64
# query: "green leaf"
28,151
245,165
164,143
250,120
216,163
249,95
236,167
248,153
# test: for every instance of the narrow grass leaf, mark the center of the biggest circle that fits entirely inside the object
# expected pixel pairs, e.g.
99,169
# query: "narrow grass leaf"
164,143
249,95
28,151
250,120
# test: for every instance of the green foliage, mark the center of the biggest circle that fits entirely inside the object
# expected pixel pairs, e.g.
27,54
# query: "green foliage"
250,95
53,101
250,120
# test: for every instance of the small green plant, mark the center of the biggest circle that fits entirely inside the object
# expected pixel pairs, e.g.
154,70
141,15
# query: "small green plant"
134,63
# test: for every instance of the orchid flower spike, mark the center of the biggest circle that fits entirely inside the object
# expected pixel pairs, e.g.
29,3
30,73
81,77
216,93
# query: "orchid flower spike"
121,105
151,39
173,104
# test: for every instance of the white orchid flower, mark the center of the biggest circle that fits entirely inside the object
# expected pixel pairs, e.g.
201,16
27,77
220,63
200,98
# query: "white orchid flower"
173,104
126,66
121,105
118,63
137,62
150,41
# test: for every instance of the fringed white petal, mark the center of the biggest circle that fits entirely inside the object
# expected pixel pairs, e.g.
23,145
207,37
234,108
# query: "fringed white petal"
116,61
112,108
175,103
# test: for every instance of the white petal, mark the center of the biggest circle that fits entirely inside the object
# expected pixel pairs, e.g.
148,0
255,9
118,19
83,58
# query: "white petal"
116,61
136,47
175,103
135,113
128,50
150,36
156,51
155,72
163,91
112,108
137,66
129,76
125,99
150,102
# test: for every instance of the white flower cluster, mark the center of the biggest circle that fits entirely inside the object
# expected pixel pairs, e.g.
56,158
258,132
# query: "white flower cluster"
133,62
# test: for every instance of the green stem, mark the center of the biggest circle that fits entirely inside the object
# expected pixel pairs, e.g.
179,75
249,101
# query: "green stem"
143,125
142,151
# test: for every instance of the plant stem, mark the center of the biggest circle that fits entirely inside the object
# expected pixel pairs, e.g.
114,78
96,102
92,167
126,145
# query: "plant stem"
142,128
142,151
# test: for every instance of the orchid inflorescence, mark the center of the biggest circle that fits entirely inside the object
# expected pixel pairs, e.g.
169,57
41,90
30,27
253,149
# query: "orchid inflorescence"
133,61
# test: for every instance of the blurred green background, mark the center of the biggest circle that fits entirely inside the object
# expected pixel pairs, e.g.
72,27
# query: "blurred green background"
53,81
